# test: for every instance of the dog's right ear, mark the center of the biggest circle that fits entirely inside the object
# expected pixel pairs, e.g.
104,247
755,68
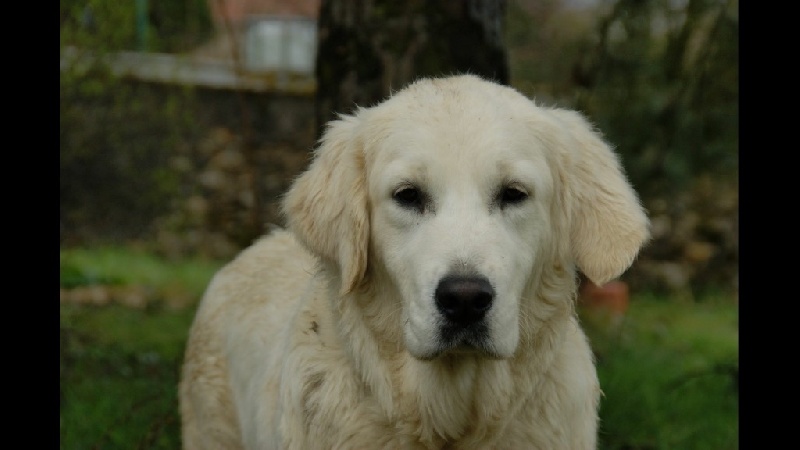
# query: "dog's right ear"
326,206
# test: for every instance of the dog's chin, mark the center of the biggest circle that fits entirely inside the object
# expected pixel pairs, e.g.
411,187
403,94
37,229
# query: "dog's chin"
466,349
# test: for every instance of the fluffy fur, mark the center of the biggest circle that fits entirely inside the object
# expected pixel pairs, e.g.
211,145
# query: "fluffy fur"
330,335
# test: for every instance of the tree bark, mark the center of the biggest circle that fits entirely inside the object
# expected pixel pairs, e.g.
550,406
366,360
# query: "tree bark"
369,48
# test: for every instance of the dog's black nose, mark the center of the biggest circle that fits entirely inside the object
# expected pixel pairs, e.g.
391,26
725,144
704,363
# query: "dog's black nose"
464,300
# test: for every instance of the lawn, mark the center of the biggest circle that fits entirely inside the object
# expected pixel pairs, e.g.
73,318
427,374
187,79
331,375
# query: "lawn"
669,370
669,373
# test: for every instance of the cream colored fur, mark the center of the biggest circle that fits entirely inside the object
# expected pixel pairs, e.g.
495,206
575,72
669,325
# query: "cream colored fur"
326,336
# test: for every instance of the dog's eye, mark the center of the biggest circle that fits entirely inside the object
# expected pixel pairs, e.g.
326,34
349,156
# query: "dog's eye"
511,195
409,197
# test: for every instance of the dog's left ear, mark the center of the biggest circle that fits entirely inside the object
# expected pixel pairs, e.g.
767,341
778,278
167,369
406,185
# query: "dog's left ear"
607,224
326,206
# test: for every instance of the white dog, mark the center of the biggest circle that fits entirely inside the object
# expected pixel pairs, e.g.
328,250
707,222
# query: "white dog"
424,294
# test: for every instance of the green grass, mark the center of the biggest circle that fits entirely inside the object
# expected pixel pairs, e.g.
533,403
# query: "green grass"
119,372
119,266
667,371
119,366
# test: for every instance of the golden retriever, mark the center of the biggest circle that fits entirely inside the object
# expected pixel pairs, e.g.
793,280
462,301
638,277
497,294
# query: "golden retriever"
423,296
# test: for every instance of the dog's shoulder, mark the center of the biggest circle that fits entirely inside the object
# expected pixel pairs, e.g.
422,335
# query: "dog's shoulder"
275,254
273,268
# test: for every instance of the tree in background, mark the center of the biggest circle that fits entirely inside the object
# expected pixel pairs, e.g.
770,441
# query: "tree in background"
369,48
661,80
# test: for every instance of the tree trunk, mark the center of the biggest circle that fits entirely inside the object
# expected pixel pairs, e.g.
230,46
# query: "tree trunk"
370,48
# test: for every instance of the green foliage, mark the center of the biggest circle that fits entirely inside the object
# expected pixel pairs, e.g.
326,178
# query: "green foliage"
103,25
662,82
171,26
179,25
543,45
659,78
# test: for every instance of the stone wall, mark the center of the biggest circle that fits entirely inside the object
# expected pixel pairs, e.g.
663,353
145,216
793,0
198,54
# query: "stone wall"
243,151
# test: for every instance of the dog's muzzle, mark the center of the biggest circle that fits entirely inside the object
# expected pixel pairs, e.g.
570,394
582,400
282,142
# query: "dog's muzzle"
463,301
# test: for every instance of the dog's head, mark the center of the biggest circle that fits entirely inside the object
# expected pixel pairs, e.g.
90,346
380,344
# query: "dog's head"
461,194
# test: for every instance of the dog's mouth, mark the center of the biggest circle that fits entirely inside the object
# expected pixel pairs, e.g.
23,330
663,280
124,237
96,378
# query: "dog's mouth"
473,335
462,341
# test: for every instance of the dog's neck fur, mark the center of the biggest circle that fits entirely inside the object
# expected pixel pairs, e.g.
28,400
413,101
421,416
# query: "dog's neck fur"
421,410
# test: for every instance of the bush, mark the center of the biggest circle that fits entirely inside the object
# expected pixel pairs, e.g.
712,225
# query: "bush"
659,79
170,26
662,83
